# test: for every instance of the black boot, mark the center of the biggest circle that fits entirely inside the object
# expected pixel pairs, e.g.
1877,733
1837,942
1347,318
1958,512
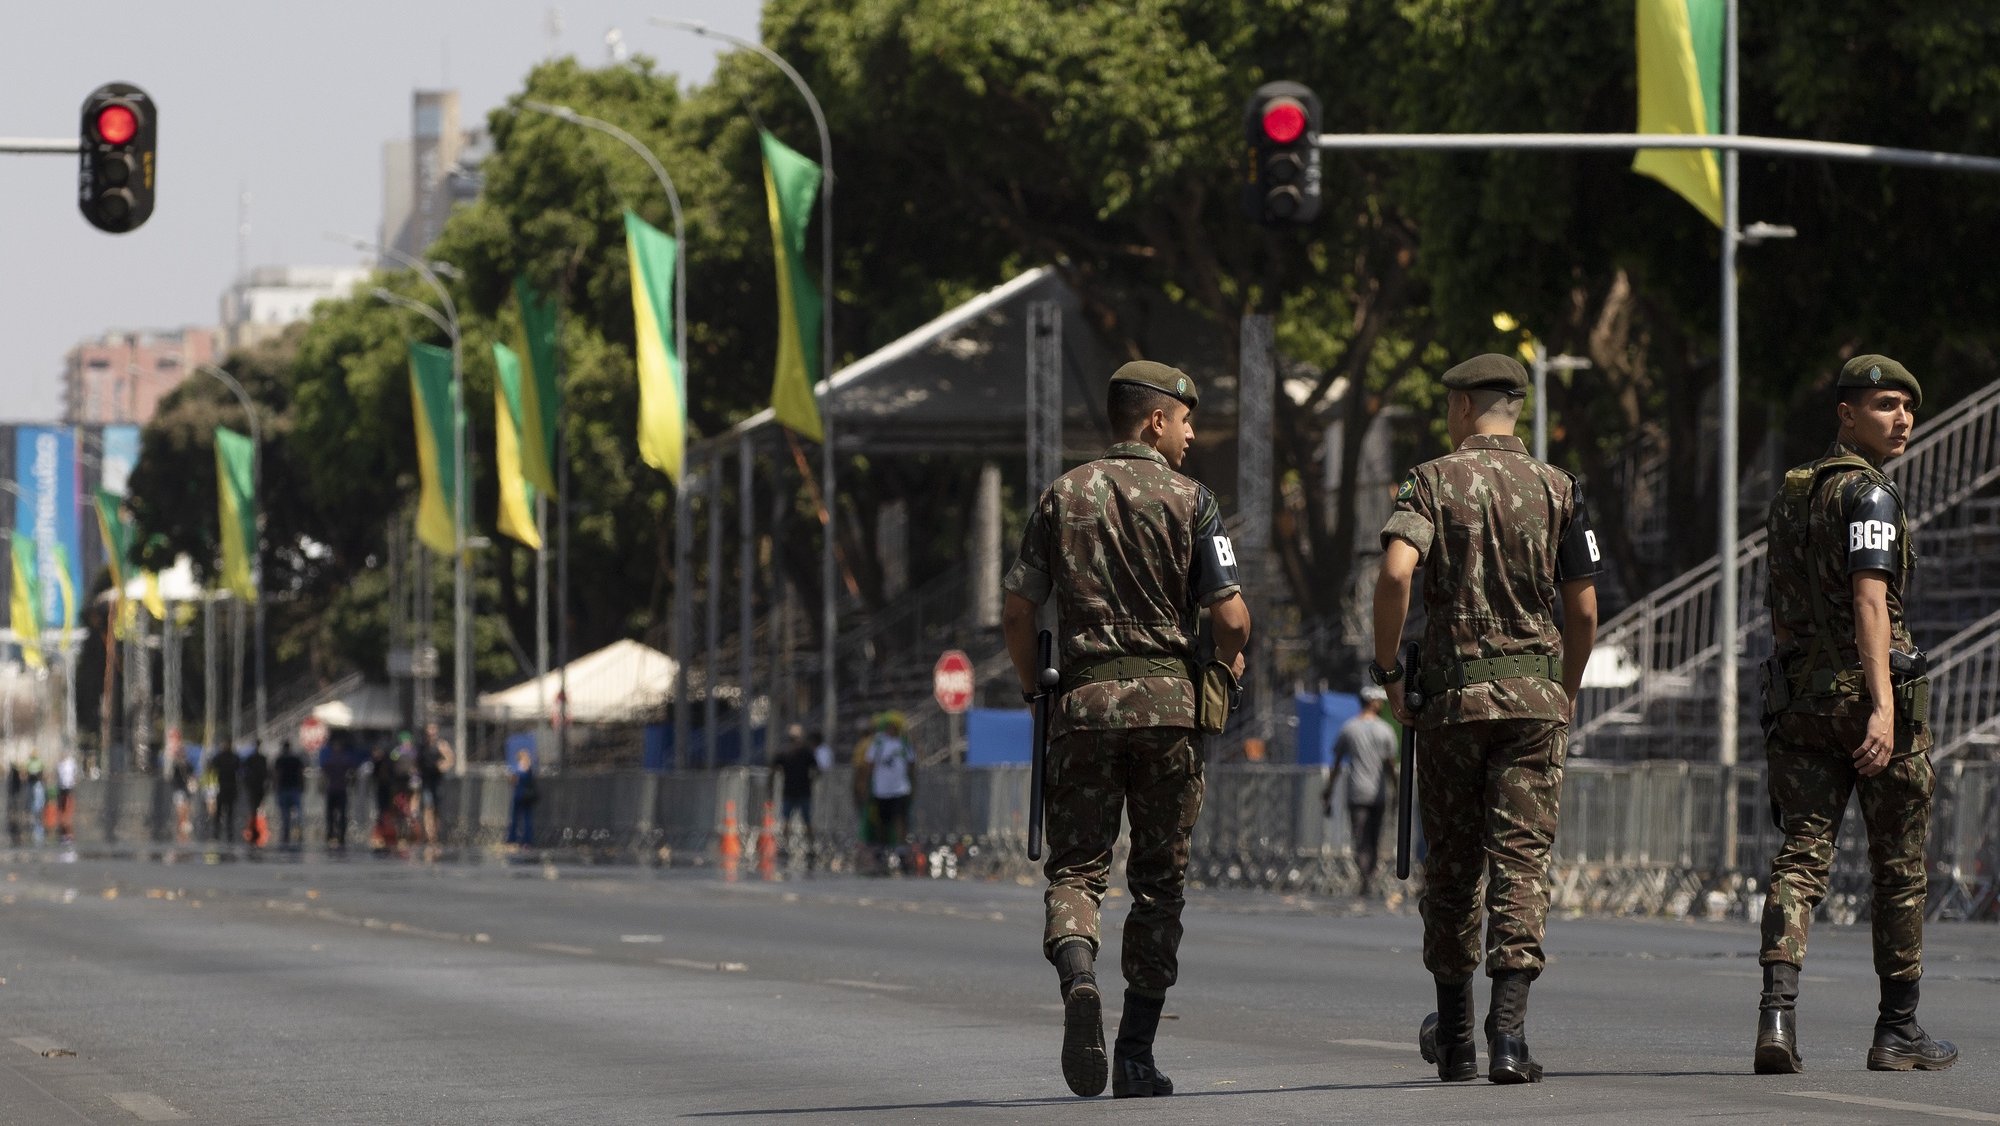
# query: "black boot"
1899,1044
1777,1051
1507,1031
1132,1072
1445,1037
1083,1018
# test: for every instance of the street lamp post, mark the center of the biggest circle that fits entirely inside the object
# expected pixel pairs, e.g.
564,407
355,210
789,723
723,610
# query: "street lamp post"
461,601
682,612
829,618
256,549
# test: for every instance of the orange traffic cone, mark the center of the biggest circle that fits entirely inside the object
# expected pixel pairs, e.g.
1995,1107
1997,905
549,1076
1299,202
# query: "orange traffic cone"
767,846
732,847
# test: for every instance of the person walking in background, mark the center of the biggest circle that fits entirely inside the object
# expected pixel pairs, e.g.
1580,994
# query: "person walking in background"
181,788
38,795
66,775
256,771
796,768
336,774
434,758
822,752
227,780
892,781
17,785
289,776
521,809
1365,750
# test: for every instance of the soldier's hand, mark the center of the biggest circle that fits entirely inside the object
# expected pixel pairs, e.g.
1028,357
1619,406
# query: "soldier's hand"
1872,756
1396,705
1236,666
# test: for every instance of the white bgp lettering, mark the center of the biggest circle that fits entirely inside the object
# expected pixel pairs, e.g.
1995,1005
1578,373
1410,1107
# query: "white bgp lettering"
1870,535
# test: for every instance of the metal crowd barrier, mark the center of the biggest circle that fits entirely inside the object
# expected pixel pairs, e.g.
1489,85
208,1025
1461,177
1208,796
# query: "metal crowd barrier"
1636,838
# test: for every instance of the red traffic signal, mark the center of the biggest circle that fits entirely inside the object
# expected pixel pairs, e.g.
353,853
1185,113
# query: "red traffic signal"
1284,120
116,166
1281,123
116,123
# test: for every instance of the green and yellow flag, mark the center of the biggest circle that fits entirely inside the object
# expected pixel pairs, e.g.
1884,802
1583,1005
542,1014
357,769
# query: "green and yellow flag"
24,607
437,465
540,397
517,496
117,533
236,496
790,182
662,381
59,557
1680,91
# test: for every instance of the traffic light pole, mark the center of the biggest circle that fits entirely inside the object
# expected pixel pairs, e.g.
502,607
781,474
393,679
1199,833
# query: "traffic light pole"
44,146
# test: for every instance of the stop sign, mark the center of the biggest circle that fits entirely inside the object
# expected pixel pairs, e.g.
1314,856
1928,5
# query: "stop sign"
951,681
312,734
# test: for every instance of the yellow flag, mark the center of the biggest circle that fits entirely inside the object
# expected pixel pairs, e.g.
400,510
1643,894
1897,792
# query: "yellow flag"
24,609
432,409
156,604
662,385
517,514
1677,94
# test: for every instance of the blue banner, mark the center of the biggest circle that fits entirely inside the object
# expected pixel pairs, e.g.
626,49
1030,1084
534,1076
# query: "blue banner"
121,453
45,468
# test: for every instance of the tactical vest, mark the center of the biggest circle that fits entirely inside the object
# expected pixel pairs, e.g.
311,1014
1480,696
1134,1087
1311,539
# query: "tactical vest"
1820,672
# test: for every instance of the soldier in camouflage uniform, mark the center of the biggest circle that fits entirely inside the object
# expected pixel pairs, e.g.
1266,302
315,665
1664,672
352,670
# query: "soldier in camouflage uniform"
1846,703
1501,538
1131,550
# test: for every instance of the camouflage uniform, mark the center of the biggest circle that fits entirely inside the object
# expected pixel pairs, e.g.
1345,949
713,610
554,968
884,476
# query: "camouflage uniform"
1497,532
1810,741
1130,549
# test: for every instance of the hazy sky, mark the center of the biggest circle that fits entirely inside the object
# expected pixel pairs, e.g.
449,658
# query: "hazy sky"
287,100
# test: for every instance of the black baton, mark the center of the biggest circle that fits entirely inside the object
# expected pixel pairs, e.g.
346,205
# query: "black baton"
1046,679
1406,793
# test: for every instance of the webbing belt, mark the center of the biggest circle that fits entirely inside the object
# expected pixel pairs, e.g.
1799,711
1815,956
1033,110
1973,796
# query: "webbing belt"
1127,668
1492,668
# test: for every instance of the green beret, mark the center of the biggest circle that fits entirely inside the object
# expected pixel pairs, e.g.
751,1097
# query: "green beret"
1872,370
1160,377
1490,372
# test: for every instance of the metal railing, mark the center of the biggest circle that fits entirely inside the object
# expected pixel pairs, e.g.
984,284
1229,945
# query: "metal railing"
1670,634
1636,838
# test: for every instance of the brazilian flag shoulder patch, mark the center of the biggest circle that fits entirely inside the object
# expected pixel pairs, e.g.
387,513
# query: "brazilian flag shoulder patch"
1409,488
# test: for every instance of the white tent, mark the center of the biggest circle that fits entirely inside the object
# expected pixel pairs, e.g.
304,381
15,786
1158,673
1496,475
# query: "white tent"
177,583
370,707
619,682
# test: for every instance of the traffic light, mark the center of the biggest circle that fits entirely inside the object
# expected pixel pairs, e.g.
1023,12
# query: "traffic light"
115,174
1282,125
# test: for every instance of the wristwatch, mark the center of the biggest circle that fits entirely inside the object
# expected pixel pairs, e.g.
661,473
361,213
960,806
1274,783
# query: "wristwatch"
1382,676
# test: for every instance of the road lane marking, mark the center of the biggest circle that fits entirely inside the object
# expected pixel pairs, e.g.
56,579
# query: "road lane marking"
564,948
883,986
1892,1104
712,967
1385,1045
642,938
44,1047
148,1107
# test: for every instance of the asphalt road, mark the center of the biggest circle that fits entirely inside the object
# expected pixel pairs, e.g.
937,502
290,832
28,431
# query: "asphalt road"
371,991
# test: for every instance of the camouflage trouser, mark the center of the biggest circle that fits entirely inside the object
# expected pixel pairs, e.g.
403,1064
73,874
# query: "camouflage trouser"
1154,776
1811,775
1490,791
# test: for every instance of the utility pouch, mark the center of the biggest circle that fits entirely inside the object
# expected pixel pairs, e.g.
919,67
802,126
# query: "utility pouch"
1910,682
1216,694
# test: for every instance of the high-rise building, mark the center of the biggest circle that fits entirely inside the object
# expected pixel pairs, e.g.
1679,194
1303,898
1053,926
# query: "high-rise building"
122,375
424,177
265,300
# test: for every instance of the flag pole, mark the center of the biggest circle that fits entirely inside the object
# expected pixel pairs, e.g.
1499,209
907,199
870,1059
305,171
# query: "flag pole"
1730,389
829,612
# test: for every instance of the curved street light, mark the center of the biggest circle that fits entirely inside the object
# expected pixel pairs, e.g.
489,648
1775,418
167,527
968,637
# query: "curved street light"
829,616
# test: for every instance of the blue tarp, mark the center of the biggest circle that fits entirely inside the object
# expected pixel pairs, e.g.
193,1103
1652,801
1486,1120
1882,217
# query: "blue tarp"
997,736
1320,716
659,747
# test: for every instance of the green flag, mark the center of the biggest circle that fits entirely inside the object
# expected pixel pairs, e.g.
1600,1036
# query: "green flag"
437,464
1680,91
236,497
662,380
790,182
117,533
540,397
